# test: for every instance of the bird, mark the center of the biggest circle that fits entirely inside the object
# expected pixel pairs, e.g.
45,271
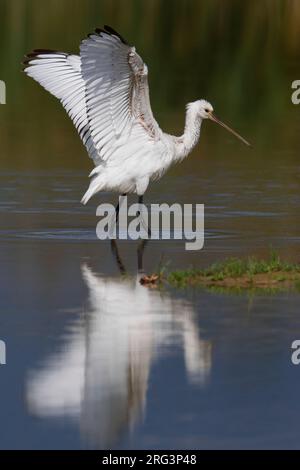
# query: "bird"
105,92
99,376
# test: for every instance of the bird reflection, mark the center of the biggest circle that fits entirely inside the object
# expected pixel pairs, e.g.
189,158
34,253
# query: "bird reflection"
100,376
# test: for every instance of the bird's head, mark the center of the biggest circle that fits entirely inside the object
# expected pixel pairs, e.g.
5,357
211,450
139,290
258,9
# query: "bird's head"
204,108
206,111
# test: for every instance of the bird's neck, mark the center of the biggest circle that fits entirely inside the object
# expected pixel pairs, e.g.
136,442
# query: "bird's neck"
191,134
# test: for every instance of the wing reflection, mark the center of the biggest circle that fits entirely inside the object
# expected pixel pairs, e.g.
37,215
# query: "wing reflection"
100,377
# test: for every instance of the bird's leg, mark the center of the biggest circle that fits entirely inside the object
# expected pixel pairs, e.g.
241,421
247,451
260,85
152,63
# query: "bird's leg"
143,243
116,216
118,209
140,255
113,243
141,202
115,252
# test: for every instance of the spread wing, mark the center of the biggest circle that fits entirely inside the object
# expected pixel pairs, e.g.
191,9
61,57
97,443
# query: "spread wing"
105,92
60,74
117,95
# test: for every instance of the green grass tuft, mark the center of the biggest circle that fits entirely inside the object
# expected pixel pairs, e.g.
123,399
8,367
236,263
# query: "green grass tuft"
245,271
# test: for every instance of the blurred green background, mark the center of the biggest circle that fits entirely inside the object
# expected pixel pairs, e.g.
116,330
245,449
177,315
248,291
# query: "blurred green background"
240,55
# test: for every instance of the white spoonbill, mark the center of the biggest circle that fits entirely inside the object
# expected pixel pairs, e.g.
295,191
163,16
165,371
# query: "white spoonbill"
105,92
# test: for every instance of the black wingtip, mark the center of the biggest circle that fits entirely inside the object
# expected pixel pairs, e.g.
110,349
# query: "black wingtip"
112,32
27,59
100,30
35,53
25,63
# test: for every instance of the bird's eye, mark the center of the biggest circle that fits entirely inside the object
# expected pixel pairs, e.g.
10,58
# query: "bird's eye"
206,110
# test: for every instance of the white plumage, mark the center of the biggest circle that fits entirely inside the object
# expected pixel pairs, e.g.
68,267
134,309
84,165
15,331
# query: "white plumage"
105,92
100,372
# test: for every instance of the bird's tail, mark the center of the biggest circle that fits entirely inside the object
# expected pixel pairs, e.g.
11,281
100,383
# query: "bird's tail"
95,185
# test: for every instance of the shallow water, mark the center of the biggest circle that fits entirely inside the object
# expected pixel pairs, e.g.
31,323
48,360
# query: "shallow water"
95,360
